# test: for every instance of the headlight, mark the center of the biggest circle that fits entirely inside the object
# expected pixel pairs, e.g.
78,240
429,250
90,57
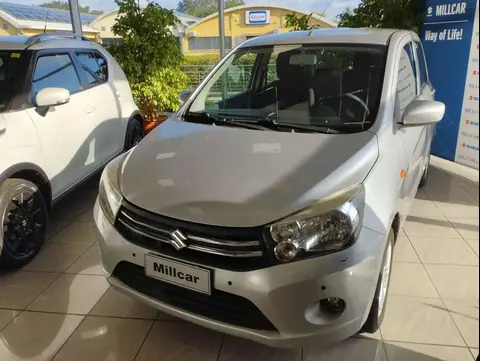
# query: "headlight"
109,195
329,225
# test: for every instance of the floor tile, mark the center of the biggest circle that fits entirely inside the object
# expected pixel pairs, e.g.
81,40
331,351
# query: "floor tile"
353,349
444,251
20,288
473,244
76,232
434,227
467,227
55,225
455,282
101,338
411,279
461,209
117,304
6,316
465,315
424,207
173,341
474,352
162,316
236,349
404,251
76,294
398,351
86,217
56,257
36,336
420,320
88,263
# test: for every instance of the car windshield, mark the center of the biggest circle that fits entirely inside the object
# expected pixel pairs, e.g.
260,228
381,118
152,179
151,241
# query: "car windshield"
329,86
9,73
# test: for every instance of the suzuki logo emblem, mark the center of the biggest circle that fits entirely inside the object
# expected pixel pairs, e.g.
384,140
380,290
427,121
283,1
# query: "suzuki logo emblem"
177,240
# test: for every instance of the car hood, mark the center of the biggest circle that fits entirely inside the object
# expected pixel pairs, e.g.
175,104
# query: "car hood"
239,177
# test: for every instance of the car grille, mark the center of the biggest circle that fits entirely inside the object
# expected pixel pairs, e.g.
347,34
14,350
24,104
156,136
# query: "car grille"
221,306
230,248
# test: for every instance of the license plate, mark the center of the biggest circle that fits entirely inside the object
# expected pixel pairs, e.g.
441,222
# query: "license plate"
177,273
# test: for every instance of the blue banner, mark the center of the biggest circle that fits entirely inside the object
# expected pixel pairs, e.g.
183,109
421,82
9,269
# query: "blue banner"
446,36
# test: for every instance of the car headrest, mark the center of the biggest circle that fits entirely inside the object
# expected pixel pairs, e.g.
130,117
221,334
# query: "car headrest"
287,71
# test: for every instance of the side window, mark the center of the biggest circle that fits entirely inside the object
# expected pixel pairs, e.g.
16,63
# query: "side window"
407,82
102,63
90,68
422,65
55,71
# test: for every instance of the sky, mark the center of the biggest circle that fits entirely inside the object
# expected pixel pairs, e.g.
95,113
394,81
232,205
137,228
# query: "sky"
334,7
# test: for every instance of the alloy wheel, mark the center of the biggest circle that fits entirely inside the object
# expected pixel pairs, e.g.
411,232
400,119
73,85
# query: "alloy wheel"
385,279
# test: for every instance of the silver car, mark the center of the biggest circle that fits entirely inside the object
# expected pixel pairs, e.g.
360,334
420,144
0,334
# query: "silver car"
269,205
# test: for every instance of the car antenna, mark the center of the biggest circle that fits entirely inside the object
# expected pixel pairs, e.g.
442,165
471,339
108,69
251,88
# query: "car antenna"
46,20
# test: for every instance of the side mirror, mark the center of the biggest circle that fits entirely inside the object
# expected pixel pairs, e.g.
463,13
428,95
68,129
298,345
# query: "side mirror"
52,96
184,96
423,112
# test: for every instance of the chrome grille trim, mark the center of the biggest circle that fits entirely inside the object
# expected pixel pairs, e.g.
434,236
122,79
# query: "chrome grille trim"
238,252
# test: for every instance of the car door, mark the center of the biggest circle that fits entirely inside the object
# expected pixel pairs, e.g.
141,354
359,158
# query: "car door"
64,132
413,140
104,114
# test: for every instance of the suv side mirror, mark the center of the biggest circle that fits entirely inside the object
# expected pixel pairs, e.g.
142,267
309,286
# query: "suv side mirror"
52,96
183,96
423,112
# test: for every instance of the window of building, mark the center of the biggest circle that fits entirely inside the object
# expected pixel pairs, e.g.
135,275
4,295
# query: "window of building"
208,43
5,26
55,71
103,28
407,82
90,67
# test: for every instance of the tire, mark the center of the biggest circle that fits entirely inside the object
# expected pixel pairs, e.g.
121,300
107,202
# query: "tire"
424,179
134,133
22,223
377,311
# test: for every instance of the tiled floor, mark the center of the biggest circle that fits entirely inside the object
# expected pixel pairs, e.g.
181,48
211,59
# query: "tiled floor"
60,307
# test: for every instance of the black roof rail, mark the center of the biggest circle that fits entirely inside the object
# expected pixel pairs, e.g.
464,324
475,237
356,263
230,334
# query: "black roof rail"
50,36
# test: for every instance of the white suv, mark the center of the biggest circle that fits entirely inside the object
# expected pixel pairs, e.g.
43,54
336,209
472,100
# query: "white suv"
66,110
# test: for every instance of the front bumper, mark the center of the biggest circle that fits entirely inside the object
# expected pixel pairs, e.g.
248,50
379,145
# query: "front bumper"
285,294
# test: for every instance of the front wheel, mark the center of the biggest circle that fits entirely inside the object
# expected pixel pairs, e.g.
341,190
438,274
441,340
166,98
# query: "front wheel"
377,311
23,220
134,134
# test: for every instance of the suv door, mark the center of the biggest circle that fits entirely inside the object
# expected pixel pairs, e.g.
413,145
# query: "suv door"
413,140
65,134
108,130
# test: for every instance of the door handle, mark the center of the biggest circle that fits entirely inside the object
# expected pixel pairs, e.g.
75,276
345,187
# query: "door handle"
90,110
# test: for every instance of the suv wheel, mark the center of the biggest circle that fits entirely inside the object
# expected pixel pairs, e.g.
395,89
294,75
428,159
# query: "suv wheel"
424,179
134,133
377,311
23,220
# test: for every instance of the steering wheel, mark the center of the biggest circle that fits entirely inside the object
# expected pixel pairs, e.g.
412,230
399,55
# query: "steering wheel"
347,95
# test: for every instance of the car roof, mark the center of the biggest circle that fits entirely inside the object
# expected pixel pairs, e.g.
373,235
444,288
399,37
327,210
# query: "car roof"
22,42
331,35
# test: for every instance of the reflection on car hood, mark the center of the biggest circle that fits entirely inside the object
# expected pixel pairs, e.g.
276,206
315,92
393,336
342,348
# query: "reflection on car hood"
239,177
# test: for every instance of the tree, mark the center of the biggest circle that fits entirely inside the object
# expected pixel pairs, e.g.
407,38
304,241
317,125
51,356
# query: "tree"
203,8
62,5
392,14
296,22
149,56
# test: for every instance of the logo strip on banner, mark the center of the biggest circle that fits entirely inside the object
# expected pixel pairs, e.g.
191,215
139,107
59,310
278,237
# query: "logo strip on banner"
467,143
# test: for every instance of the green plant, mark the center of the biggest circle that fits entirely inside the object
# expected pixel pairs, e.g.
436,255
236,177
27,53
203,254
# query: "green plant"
391,14
149,55
158,92
296,22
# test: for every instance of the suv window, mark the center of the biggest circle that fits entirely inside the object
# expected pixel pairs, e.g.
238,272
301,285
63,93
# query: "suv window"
55,71
11,70
91,68
407,82
102,63
422,66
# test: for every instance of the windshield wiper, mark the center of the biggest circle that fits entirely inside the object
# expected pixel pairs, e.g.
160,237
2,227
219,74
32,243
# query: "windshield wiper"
206,118
272,123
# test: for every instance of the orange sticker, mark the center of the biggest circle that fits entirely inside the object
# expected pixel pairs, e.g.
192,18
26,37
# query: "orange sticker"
403,173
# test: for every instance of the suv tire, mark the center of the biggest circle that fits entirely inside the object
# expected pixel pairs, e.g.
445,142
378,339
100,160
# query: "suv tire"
134,134
377,311
23,220
424,179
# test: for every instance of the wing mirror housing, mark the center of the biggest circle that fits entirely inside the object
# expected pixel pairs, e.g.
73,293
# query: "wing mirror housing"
49,97
423,112
184,96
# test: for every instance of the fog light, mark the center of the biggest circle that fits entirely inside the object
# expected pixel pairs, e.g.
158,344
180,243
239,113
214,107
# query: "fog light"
333,305
286,251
